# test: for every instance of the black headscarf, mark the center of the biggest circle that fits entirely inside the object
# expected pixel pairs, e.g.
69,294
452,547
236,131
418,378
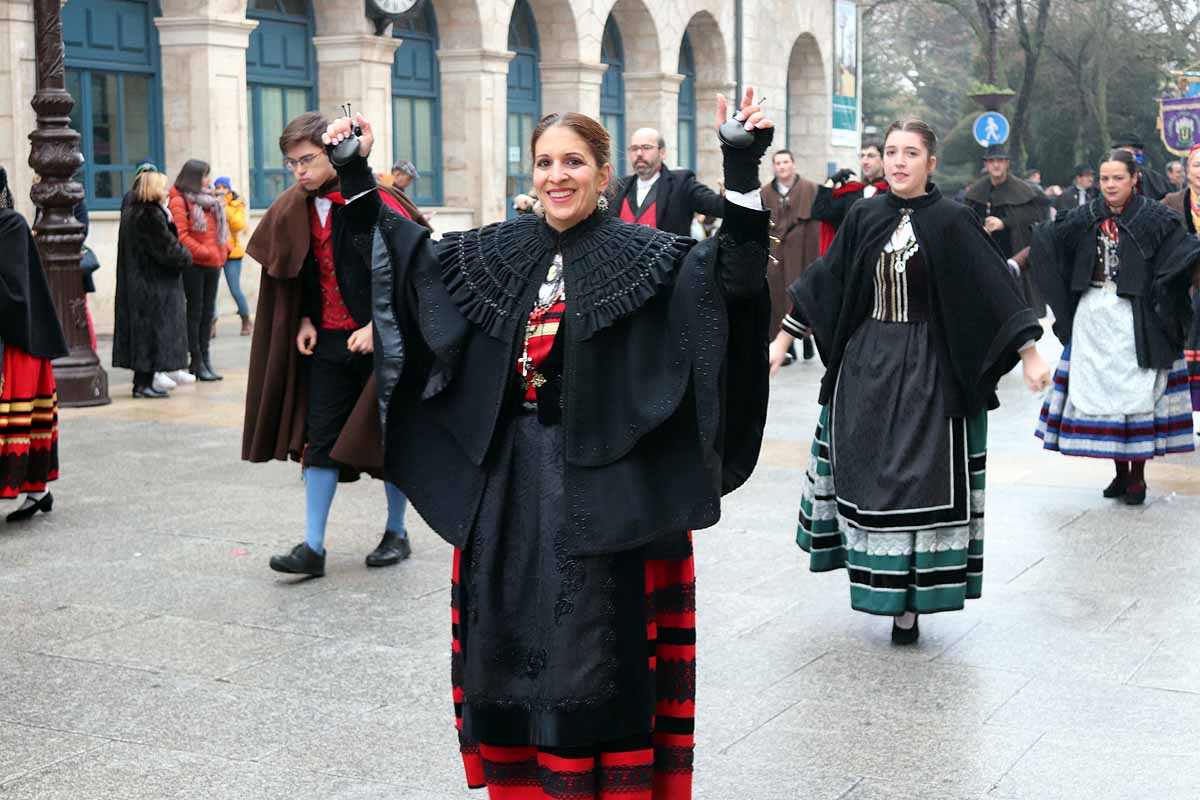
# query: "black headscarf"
27,316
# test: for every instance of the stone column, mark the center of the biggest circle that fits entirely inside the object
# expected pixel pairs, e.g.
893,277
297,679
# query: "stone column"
17,85
572,86
708,147
357,68
474,127
204,92
652,101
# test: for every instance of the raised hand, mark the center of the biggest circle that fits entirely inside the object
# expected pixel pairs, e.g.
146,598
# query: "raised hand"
343,128
748,113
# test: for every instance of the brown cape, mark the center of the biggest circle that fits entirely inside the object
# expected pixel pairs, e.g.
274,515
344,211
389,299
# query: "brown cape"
277,391
795,241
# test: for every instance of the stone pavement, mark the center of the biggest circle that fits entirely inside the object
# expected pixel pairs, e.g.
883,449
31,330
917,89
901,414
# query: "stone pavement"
147,652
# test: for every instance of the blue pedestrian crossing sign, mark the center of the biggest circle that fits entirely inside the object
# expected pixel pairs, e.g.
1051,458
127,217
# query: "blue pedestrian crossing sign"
991,128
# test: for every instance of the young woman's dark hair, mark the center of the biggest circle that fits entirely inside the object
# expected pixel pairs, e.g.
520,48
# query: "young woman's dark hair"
585,127
1125,157
913,125
191,176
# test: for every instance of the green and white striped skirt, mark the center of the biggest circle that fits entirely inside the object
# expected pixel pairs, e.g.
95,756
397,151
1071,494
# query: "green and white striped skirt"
924,570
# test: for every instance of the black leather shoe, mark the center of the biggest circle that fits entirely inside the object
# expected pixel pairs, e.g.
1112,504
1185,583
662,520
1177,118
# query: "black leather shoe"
202,372
149,392
392,549
1135,494
216,376
1116,488
301,561
45,504
906,635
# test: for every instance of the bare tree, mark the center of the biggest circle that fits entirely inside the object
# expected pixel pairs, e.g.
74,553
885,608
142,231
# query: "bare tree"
1032,42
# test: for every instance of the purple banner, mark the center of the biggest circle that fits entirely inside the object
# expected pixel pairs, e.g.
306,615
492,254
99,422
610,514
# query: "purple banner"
1179,122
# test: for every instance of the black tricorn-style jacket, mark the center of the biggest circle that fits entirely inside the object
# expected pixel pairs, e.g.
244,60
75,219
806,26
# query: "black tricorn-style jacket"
1157,256
663,390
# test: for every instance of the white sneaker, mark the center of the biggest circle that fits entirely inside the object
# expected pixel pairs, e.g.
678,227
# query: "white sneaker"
163,383
181,376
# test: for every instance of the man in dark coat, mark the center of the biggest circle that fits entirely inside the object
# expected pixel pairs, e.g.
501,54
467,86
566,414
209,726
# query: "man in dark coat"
311,391
1152,184
795,237
1009,207
662,198
839,193
1081,192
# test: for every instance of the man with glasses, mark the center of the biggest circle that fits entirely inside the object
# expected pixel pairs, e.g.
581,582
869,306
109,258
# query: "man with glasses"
661,198
311,393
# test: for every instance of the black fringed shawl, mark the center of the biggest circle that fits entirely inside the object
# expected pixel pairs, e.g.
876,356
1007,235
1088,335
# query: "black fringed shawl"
664,386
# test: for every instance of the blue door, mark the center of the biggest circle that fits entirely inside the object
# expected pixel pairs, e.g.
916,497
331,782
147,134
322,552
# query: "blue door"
612,89
524,100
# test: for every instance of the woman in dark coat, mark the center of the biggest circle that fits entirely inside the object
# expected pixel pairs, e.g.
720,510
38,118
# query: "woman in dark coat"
150,330
917,317
1116,273
553,403
1187,202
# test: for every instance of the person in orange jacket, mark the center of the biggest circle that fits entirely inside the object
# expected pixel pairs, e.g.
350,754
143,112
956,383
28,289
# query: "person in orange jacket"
199,216
235,215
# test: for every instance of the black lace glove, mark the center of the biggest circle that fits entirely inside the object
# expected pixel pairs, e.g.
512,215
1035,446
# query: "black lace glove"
741,164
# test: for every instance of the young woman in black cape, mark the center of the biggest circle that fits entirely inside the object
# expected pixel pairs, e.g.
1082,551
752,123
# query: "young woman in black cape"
917,317
553,393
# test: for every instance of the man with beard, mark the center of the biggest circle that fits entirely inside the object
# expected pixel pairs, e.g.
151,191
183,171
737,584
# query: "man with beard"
1009,207
311,391
795,237
661,198
1150,183
839,192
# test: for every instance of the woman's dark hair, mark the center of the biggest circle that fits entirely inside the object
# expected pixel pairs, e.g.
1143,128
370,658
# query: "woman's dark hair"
585,127
1125,157
191,176
914,125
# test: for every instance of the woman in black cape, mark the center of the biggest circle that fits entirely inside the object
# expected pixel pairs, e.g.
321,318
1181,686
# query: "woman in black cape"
565,398
917,317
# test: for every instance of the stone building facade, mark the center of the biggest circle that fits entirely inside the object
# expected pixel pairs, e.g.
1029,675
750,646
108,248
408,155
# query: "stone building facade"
456,89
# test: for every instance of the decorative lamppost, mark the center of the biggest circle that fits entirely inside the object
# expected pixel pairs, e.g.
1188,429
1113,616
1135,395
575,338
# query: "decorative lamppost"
55,156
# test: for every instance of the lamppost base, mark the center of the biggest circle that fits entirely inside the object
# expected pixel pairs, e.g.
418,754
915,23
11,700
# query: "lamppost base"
81,381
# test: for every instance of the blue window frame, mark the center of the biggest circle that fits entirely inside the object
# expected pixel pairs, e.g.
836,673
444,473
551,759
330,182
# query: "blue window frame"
612,87
112,71
524,99
687,105
416,109
281,82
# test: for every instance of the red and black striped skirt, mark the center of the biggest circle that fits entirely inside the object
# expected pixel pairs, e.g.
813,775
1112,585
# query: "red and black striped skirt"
657,767
28,423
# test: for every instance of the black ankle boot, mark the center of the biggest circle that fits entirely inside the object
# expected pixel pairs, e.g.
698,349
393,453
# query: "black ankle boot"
208,365
1117,487
906,635
201,371
301,561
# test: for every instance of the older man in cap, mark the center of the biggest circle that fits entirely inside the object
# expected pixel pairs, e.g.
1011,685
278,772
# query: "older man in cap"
403,175
1009,208
1152,184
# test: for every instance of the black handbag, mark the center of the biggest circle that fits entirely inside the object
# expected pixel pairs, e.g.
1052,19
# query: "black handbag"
88,263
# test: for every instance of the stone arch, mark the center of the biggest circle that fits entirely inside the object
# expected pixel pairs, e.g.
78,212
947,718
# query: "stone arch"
558,30
712,63
460,25
808,107
639,35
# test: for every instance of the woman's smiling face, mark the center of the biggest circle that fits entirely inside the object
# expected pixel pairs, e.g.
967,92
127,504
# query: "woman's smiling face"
566,178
